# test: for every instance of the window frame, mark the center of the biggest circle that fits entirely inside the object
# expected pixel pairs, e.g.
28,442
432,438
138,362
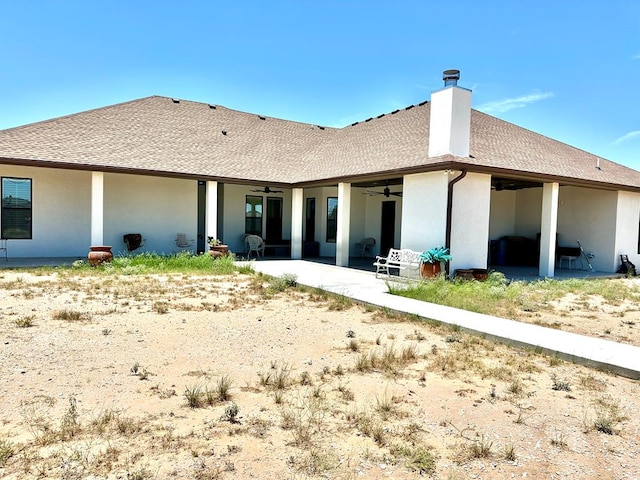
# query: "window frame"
331,232
253,219
4,210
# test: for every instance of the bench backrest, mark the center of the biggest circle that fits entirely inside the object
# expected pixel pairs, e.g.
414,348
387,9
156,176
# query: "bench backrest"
403,256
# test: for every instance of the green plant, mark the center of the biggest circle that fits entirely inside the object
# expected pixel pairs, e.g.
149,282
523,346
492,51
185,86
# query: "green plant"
509,452
231,413
213,242
25,322
223,387
69,425
435,255
558,384
194,396
353,345
6,452
71,315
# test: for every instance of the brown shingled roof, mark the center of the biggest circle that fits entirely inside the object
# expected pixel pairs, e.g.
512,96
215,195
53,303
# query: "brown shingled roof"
157,135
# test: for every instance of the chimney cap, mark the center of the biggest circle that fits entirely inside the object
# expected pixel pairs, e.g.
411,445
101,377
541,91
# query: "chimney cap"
451,77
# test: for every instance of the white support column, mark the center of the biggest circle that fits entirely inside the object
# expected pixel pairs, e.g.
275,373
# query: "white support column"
344,220
97,208
297,218
211,223
548,229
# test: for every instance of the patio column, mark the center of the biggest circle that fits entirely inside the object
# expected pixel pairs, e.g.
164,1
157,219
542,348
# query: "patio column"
548,229
344,220
97,208
211,224
297,217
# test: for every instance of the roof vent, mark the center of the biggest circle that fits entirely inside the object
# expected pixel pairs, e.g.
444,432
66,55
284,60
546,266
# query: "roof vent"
261,117
451,77
212,106
224,132
320,127
175,100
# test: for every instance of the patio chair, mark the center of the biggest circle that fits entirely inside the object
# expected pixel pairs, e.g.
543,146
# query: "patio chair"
182,242
3,247
254,243
365,246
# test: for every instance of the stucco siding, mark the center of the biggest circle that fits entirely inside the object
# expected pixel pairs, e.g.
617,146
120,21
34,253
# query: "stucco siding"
424,210
503,214
156,207
589,215
61,209
528,212
627,224
470,222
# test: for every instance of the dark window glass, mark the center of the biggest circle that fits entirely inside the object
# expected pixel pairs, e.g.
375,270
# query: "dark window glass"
253,215
16,208
332,219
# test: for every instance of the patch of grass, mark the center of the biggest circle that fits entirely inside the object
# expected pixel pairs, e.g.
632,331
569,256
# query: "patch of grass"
353,345
25,321
498,296
607,416
71,316
149,262
7,450
223,388
560,384
195,396
160,307
281,283
509,452
231,412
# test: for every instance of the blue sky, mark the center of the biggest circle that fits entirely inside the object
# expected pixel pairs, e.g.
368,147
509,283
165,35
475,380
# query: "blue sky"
566,69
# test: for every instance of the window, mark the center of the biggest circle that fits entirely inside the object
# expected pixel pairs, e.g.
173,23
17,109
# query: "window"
332,219
253,216
310,221
16,208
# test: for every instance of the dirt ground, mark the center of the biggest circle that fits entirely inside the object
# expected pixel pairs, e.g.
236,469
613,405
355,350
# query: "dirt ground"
97,373
592,315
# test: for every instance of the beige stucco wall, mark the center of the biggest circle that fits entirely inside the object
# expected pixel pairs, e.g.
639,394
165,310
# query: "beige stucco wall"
424,210
470,222
503,214
61,202
589,215
156,207
627,224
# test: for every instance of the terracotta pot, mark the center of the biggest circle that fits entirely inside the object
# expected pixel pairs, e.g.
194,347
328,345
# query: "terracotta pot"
99,254
219,251
429,270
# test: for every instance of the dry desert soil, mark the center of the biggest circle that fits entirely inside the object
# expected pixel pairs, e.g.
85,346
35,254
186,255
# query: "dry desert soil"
223,377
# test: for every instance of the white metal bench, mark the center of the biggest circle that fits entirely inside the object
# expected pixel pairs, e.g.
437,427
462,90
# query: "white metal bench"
404,259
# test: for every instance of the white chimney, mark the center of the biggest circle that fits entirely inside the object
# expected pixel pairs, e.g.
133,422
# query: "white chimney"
450,124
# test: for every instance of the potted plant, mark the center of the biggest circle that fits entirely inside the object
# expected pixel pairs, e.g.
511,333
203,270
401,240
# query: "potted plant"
431,260
217,248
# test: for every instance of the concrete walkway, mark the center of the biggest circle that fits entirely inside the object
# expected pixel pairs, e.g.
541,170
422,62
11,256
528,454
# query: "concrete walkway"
364,287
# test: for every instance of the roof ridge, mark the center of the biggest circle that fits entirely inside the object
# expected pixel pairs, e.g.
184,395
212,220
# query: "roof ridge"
68,115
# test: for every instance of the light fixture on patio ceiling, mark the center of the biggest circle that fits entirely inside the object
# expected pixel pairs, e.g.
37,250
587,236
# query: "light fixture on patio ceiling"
267,190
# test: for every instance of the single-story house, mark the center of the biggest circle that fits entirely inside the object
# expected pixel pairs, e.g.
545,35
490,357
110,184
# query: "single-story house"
431,174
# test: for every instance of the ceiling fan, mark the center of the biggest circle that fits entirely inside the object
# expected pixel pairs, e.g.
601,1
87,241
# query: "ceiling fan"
386,192
267,190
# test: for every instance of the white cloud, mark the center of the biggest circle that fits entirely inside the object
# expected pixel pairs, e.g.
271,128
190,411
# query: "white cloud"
627,136
507,104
